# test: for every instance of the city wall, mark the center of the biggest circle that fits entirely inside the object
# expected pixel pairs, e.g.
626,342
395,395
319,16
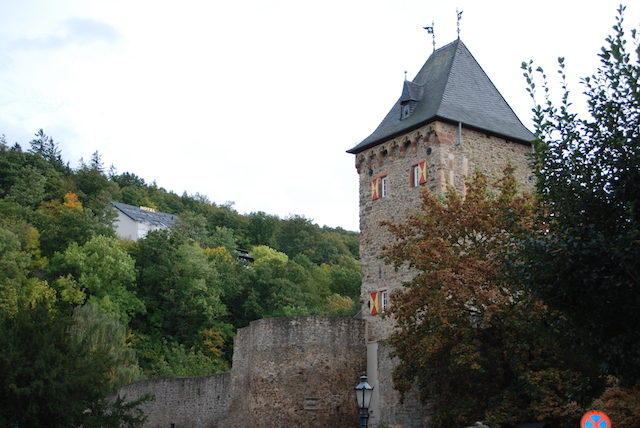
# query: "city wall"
287,372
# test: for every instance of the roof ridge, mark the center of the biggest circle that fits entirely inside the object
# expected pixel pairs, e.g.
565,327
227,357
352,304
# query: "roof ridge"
448,72
493,85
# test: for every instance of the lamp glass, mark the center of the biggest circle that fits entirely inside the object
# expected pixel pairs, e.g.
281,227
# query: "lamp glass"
364,391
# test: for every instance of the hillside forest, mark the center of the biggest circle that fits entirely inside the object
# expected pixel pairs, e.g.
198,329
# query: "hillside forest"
168,304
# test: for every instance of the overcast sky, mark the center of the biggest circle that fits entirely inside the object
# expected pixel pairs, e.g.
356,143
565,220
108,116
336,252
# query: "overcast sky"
255,101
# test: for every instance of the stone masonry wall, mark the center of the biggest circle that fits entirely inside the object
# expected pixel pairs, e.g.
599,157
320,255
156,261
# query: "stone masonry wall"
196,402
410,413
287,372
447,163
302,371
449,158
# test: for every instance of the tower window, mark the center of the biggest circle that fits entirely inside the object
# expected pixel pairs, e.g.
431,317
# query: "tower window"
384,300
405,110
380,187
378,302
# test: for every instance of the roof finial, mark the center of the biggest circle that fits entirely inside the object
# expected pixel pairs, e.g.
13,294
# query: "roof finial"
430,31
405,75
459,17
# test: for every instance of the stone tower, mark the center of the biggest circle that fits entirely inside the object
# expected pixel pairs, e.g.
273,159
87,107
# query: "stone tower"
448,121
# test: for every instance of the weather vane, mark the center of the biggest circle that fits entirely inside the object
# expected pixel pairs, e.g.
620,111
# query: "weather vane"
430,31
459,18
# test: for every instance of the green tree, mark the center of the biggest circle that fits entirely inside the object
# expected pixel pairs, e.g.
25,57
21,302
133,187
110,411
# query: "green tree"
12,159
99,332
49,378
262,228
346,277
277,286
194,226
132,188
61,223
29,188
299,235
48,149
104,271
127,179
182,292
178,361
193,300
585,261
478,346
16,282
233,277
42,161
95,190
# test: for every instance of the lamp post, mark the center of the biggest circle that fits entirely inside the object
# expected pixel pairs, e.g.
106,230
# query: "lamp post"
363,391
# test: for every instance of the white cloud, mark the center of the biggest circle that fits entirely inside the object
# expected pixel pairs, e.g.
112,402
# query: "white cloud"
73,31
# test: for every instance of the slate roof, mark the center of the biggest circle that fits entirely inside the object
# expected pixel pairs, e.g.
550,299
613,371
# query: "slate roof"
452,87
146,215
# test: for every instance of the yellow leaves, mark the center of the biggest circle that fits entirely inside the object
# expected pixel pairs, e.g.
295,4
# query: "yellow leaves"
213,341
51,207
219,254
32,244
55,207
337,303
41,292
70,290
71,202
33,292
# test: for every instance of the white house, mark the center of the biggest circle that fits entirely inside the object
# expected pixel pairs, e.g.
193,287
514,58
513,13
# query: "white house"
135,222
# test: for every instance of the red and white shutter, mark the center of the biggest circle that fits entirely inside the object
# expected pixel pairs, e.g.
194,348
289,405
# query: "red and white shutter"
422,172
375,190
374,303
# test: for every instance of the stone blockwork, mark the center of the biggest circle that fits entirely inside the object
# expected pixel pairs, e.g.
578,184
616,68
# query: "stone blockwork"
410,412
287,372
301,371
449,157
200,402
451,153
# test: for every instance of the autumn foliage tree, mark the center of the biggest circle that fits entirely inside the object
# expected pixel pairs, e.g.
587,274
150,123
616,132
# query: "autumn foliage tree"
477,346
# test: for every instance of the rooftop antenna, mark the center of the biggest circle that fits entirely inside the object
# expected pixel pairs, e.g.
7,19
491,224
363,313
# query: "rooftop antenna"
459,18
430,31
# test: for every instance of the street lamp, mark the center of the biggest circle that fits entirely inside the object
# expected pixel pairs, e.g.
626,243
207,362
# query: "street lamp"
364,391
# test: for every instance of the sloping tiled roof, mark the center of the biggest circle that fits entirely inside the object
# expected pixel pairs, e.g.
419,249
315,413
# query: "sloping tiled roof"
451,86
146,215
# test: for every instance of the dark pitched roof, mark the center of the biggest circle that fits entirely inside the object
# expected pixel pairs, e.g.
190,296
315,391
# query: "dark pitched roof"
146,215
451,86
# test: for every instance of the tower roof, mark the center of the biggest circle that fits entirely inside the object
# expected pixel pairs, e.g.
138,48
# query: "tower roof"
452,87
